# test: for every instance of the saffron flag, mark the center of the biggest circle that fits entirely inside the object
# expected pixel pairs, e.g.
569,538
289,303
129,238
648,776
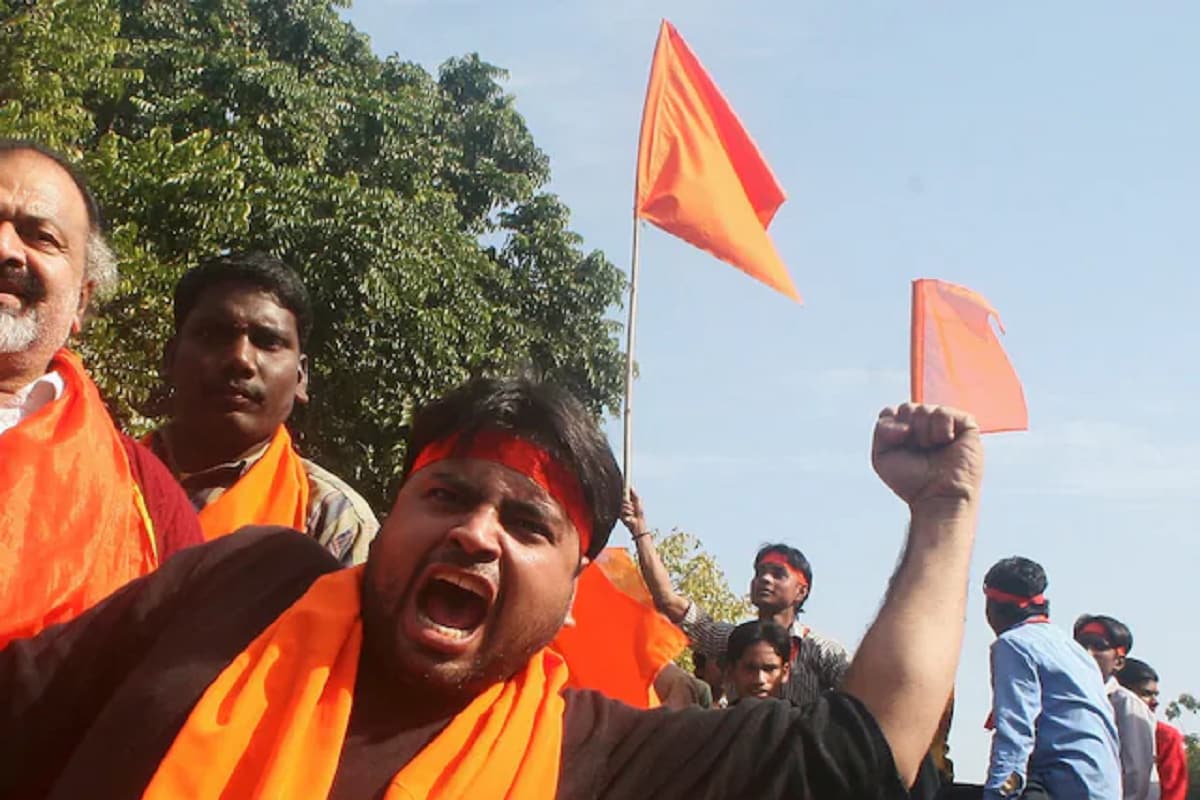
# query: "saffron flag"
957,359
619,641
699,175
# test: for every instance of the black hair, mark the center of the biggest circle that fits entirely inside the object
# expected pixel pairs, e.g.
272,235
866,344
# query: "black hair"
95,219
794,557
759,630
260,270
542,413
1135,673
1119,634
1020,576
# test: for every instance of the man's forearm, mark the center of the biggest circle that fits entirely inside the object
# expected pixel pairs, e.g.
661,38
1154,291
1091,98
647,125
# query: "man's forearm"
904,669
658,580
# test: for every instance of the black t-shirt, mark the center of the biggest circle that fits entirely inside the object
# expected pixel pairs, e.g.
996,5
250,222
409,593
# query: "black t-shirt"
89,708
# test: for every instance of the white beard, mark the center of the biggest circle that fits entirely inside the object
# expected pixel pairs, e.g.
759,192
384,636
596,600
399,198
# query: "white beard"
18,330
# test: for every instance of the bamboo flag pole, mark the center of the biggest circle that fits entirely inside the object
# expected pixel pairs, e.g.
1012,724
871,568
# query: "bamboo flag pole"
631,335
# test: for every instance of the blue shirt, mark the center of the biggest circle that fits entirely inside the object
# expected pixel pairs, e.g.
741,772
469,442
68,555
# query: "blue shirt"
1054,723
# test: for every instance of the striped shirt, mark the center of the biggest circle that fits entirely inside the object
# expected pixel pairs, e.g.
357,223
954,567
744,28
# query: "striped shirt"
818,663
338,517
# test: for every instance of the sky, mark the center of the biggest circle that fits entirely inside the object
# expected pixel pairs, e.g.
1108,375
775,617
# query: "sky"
1045,155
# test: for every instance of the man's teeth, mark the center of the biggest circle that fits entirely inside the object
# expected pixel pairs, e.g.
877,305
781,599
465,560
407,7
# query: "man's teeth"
453,633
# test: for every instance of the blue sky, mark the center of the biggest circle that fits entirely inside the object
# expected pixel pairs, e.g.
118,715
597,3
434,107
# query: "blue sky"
1043,154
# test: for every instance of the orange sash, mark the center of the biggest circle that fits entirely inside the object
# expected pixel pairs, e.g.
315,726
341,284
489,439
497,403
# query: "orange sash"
619,642
274,491
273,722
73,526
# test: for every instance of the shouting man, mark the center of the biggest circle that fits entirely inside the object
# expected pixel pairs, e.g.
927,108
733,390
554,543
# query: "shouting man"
253,667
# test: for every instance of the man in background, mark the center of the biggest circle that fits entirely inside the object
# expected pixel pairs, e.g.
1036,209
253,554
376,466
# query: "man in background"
236,366
83,508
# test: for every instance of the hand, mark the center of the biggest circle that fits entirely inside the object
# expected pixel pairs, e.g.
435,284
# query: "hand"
633,514
928,454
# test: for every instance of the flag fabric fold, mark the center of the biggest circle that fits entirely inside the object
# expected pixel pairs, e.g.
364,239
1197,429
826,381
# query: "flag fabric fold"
957,359
618,642
700,176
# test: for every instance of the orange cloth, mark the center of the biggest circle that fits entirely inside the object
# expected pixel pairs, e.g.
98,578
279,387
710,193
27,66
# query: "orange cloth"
699,175
957,359
274,491
619,642
273,723
73,525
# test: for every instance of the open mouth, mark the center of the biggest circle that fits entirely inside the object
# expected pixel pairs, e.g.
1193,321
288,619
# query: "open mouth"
452,607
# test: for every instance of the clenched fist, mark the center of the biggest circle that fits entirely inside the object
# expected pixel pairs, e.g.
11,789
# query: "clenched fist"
928,454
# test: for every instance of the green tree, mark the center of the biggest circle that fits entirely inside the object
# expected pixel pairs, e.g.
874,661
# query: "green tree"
412,205
1188,703
696,574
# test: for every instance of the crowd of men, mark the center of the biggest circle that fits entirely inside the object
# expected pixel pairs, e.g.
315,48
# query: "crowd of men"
206,614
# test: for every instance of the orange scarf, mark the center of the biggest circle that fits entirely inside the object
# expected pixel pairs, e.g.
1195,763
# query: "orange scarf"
73,525
273,723
273,492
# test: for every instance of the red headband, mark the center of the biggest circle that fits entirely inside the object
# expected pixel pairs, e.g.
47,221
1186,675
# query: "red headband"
1096,628
1015,599
526,458
775,557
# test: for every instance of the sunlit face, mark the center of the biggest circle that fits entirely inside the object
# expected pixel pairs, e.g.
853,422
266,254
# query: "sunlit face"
759,672
773,588
473,571
1107,658
1148,691
236,366
43,242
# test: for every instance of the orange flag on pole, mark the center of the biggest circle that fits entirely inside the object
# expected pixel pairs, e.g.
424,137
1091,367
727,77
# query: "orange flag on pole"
957,359
700,176
618,642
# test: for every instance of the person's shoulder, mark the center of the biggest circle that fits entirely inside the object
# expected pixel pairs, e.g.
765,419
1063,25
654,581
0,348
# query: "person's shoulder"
326,487
825,644
282,548
1126,702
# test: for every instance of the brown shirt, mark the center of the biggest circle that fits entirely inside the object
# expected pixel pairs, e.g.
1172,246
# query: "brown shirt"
89,708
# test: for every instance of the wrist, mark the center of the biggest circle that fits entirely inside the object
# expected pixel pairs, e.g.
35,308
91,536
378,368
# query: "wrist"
944,507
640,534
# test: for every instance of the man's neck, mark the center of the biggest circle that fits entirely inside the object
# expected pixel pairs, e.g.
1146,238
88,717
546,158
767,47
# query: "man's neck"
195,451
785,617
384,705
18,370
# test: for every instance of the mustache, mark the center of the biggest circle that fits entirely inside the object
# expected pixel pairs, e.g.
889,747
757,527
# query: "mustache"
489,571
250,390
22,282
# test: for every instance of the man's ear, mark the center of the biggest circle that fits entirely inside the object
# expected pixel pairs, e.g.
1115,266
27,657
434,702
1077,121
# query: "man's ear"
1118,664
85,297
787,671
302,380
569,620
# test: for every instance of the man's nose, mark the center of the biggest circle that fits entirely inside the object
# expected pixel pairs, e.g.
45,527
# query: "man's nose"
12,246
241,355
478,532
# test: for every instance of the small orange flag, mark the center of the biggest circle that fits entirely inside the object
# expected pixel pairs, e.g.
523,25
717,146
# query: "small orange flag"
957,359
618,642
700,176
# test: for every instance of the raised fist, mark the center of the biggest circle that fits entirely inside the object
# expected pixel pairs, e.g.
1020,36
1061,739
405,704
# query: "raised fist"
928,454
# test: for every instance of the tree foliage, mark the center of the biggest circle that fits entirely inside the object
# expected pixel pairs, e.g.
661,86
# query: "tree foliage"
1188,703
696,575
412,204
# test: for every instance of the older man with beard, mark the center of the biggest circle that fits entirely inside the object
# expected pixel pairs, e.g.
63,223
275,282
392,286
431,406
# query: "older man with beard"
83,508
255,667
